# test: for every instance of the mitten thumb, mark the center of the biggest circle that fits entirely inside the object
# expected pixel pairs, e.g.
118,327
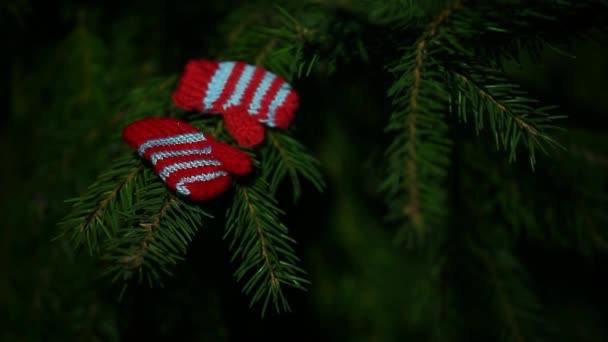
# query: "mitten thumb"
244,128
233,160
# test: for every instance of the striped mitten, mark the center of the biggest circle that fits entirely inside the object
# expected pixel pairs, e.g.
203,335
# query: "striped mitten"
191,163
247,96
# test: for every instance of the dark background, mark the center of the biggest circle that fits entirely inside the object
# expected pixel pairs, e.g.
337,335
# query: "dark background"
49,294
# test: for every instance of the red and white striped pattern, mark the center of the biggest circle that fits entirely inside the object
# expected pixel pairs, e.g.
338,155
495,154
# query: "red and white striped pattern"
188,161
214,87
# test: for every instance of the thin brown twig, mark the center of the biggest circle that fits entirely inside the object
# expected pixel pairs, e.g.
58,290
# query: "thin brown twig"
412,208
274,281
277,145
96,214
136,259
520,122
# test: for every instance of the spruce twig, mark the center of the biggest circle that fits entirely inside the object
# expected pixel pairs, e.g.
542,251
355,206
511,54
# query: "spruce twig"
509,111
156,235
283,156
95,213
262,243
421,144
412,208
136,258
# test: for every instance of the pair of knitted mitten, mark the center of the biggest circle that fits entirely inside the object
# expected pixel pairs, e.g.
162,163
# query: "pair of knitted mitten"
191,163
248,97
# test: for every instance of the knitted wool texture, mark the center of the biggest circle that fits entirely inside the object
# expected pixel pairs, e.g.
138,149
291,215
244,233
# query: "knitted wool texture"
247,96
191,163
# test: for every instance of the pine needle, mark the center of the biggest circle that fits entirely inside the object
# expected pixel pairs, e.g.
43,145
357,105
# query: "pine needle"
261,244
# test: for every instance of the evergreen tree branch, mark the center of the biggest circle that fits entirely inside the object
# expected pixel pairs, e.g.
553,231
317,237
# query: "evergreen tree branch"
155,234
147,236
492,244
268,260
278,45
412,209
508,28
274,283
136,259
283,155
518,307
153,97
422,144
98,212
518,197
95,213
385,11
487,96
263,245
274,39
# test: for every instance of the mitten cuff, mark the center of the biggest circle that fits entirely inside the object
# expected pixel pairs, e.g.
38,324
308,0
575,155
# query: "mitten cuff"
193,85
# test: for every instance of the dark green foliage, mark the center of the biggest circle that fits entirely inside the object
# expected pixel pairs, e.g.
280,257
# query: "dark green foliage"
421,139
396,207
140,230
285,156
531,27
513,117
156,235
572,219
91,215
264,247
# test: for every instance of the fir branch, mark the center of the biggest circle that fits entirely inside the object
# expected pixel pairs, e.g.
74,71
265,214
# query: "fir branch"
262,243
274,40
385,12
95,213
283,155
156,234
152,97
486,95
508,28
135,260
278,45
492,246
412,208
531,209
98,212
518,307
422,144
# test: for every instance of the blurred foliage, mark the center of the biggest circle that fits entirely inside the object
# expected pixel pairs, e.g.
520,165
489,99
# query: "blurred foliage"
521,251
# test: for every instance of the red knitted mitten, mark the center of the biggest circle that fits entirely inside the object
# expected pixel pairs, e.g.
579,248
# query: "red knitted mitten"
245,129
191,163
238,91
